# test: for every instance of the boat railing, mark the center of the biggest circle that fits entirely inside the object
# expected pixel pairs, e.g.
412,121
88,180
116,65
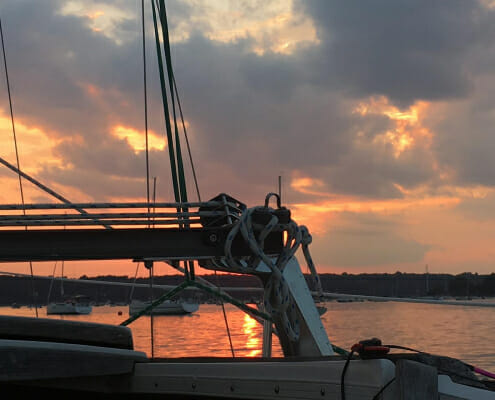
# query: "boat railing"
141,214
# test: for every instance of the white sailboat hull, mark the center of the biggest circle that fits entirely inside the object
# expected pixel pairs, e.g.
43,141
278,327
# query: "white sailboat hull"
165,308
68,308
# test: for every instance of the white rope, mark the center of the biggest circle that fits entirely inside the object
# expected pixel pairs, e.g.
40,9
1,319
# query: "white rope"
277,298
306,241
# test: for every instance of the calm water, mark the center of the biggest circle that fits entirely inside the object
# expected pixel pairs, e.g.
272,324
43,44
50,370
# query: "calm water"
462,332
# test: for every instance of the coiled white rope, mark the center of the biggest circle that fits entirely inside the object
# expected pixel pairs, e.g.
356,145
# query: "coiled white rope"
277,299
306,241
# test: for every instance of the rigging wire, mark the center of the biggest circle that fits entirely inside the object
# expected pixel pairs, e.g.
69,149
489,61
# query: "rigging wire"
178,178
160,5
187,139
225,319
152,336
151,280
46,189
152,330
51,283
17,155
145,108
170,142
154,198
168,60
131,292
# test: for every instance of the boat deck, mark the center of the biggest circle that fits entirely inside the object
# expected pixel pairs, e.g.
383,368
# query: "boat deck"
74,358
64,331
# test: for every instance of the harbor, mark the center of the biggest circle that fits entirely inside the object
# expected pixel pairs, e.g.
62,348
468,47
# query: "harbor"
347,322
372,185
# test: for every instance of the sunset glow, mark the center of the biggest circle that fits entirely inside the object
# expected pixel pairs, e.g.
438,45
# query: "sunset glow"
319,215
408,129
136,139
36,146
384,146
308,186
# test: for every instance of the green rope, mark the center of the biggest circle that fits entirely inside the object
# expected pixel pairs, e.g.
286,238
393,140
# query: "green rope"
182,188
340,350
168,58
165,110
157,302
188,283
249,310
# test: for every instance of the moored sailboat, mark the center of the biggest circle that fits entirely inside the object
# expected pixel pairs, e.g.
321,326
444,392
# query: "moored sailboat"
169,307
78,304
73,305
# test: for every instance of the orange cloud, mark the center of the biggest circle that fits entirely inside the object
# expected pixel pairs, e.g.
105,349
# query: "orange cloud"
137,140
95,14
308,185
408,129
318,216
456,241
93,90
33,144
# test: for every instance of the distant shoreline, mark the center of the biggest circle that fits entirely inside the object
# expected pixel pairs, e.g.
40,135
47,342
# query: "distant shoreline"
19,290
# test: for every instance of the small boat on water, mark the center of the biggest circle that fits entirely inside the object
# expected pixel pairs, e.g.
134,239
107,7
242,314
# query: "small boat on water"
72,305
75,305
169,307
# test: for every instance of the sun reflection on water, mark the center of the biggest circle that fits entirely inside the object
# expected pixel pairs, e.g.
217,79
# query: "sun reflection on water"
203,333
253,340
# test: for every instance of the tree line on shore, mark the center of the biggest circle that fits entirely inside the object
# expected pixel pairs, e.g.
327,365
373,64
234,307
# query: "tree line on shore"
26,290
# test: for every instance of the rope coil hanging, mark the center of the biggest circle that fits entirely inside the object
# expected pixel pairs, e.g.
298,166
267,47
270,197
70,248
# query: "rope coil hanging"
277,299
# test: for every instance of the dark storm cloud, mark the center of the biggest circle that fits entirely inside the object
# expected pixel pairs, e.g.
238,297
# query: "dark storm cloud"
67,77
405,50
465,139
253,128
291,111
252,117
374,173
261,124
76,83
109,157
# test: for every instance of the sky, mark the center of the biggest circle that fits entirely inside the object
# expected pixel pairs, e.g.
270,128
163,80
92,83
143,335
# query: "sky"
378,117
